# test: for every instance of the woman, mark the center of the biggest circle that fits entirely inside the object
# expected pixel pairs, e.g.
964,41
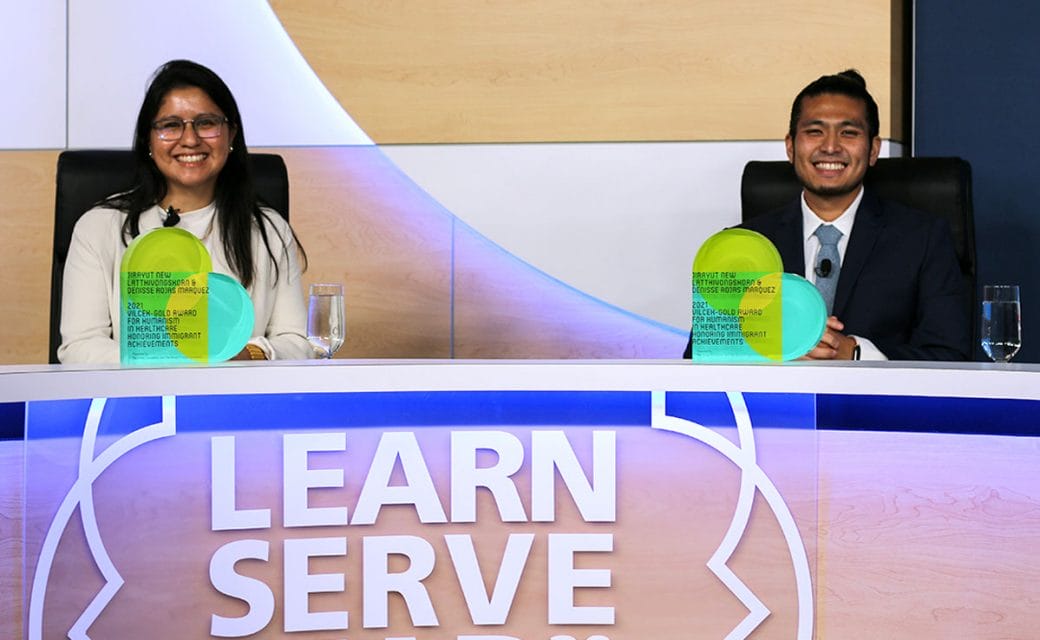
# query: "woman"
193,172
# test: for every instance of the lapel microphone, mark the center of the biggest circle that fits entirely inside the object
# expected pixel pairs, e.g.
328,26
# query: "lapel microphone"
822,270
173,217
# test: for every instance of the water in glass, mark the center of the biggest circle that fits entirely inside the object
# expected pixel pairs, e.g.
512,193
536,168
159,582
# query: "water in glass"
325,319
1001,322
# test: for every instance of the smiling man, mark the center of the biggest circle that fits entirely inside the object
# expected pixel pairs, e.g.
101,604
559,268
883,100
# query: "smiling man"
889,274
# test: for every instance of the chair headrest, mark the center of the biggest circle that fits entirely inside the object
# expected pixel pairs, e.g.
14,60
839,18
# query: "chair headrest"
933,185
940,186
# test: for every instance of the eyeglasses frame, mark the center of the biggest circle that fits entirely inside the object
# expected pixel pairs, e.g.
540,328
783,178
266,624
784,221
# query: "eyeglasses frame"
184,126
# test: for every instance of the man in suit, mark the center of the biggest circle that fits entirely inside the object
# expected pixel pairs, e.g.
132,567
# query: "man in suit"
892,273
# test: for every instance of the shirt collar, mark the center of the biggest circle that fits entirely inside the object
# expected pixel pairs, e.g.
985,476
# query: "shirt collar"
843,222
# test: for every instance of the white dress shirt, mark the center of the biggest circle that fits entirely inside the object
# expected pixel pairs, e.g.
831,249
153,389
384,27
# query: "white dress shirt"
811,245
91,312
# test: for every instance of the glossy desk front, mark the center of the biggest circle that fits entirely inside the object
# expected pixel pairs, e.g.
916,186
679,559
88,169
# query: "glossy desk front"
903,534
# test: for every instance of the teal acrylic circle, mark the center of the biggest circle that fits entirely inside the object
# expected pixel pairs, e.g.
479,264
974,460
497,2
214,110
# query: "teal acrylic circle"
804,316
230,317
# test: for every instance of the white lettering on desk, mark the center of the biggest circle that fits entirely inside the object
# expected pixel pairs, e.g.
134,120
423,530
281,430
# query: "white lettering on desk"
594,495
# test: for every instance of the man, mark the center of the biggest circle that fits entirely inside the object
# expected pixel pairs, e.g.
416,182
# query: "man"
889,274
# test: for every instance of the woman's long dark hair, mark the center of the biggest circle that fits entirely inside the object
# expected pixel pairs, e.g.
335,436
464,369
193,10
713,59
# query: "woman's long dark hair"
237,206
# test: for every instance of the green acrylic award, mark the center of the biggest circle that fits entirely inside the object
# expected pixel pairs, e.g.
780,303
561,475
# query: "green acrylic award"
174,308
745,308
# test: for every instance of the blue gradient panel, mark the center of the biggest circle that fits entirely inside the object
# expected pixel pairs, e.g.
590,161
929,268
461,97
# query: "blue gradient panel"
418,408
934,415
12,420
55,419
65,418
771,410
121,416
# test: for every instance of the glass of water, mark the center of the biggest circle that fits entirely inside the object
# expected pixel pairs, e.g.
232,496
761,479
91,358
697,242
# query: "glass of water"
326,322
1001,322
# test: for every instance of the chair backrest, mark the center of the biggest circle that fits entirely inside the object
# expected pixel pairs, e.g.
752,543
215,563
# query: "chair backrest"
940,186
84,177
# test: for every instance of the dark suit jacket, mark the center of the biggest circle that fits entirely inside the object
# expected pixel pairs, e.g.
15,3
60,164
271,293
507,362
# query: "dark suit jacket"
900,284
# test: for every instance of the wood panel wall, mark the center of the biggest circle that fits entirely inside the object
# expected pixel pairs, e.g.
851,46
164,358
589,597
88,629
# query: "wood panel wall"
589,70
26,228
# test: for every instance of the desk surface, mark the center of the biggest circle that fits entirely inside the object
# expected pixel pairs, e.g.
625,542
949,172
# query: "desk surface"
966,380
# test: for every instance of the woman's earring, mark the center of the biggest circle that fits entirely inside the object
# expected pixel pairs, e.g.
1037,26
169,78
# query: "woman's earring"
230,148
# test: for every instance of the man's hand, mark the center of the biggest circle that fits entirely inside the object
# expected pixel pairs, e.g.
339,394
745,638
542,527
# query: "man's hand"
834,345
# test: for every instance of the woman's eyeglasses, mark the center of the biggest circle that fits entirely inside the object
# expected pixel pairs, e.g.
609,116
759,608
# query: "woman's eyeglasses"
206,126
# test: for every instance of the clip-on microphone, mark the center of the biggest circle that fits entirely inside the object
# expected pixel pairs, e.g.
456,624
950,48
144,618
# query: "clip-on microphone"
822,270
172,217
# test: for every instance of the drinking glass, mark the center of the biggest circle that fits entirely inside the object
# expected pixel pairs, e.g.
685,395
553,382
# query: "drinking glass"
1001,322
326,319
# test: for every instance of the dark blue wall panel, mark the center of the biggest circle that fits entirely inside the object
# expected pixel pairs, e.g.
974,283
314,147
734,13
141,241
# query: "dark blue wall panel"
977,96
12,420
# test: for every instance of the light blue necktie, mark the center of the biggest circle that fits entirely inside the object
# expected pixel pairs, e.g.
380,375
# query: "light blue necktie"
827,277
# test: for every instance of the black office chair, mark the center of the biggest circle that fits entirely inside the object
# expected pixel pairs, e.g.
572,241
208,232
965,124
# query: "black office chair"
85,177
940,186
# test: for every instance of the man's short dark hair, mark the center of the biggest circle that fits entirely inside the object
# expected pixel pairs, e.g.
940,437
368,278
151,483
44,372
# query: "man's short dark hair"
847,83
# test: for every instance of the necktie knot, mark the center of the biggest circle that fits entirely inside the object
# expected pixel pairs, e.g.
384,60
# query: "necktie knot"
828,234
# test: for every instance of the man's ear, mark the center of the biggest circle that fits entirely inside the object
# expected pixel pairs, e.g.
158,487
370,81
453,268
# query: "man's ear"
875,149
789,143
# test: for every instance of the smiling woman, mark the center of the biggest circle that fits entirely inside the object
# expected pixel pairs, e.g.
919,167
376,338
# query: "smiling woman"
192,171
190,146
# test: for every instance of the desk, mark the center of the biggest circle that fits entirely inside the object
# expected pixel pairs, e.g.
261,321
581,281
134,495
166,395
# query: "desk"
906,534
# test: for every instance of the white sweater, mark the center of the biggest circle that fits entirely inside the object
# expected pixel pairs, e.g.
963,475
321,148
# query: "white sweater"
90,306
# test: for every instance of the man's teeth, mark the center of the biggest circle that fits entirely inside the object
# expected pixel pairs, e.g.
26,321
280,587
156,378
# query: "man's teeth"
830,166
194,158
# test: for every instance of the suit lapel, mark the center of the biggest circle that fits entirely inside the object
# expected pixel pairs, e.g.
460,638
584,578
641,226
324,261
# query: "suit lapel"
865,233
789,241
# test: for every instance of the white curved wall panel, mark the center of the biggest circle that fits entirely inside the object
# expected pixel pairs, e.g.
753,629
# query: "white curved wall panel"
116,45
32,65
619,221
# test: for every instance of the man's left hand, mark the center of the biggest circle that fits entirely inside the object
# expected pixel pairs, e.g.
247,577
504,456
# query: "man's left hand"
834,345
